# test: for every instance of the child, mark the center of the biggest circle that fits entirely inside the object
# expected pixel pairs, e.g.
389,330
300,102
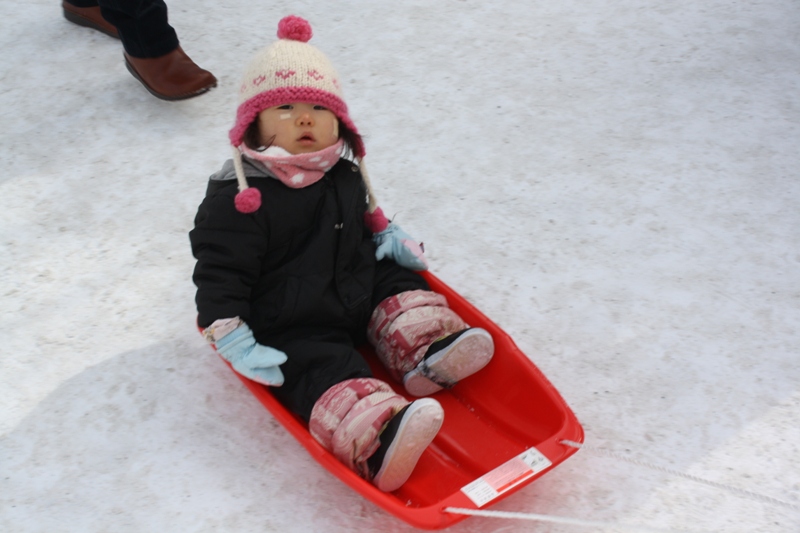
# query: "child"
298,266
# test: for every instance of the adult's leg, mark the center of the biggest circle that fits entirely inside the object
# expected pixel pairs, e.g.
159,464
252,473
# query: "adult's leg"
153,54
143,26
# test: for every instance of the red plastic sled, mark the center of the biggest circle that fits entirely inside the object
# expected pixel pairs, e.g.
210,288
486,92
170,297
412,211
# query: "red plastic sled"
502,430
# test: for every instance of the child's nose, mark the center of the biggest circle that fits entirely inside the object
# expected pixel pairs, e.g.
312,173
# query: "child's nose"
305,120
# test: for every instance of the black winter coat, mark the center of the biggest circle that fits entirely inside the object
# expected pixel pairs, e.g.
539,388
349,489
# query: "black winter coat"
304,258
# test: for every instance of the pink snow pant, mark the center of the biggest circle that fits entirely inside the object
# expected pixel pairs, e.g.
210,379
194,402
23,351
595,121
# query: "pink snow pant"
348,418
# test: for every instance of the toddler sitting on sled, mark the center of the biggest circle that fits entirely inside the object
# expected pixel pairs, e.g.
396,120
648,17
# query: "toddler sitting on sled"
296,266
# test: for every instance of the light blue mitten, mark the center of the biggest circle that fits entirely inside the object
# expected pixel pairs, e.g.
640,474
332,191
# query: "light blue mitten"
250,359
394,243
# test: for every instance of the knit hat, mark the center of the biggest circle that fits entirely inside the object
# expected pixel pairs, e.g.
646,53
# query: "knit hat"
289,70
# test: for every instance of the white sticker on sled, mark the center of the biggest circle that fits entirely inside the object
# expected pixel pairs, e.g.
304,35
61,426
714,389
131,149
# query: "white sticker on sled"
506,476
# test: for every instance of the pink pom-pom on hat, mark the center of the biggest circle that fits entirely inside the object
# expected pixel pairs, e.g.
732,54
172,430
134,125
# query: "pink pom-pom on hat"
295,29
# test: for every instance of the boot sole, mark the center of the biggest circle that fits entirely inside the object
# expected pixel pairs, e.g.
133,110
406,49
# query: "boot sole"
88,23
420,424
185,96
469,353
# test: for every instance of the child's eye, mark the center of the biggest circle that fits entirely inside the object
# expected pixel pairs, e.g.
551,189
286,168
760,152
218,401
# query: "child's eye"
320,108
286,106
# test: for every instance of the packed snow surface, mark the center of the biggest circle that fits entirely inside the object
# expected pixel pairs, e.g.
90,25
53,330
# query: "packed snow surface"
616,184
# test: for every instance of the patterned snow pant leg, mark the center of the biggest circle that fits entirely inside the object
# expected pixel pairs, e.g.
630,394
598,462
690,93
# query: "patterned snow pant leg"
348,418
403,326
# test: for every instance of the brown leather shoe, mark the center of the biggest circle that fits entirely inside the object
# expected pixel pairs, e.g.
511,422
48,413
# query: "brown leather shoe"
171,77
89,17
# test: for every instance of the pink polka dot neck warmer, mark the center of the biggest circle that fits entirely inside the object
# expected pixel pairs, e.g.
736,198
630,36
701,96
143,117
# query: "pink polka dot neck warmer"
299,170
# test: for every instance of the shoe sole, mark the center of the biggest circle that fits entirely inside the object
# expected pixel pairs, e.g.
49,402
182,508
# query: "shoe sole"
88,23
469,353
421,422
186,96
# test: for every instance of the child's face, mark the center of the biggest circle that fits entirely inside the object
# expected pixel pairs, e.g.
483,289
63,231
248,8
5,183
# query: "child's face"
298,128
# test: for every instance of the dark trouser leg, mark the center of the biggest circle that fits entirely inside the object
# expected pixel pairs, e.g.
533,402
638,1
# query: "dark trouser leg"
142,26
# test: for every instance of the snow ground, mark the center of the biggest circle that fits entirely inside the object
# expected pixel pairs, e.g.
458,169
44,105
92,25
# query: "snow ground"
614,183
